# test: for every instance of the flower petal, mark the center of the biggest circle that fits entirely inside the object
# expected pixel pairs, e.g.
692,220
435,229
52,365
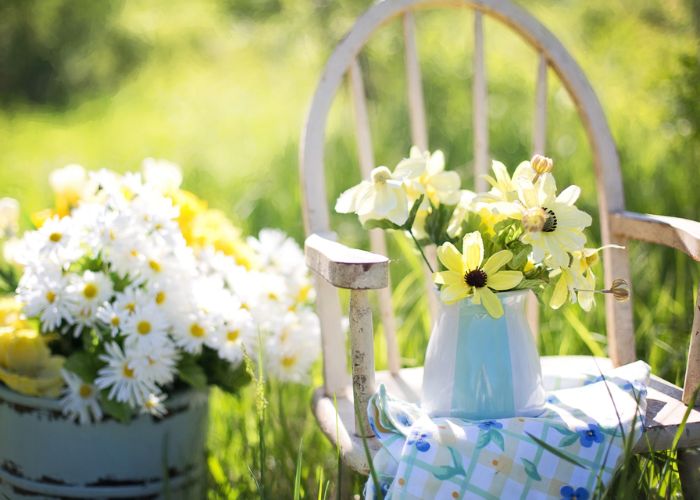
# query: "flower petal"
347,200
449,278
504,280
569,195
452,294
490,302
497,261
472,250
560,294
451,258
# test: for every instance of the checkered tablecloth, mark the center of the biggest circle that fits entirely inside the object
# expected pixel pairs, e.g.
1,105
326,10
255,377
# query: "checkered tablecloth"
567,452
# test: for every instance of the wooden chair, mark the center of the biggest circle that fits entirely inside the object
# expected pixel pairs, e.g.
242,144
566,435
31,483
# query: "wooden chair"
338,266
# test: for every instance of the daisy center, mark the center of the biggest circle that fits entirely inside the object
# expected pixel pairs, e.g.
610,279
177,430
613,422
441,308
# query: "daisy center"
90,291
232,336
115,320
127,372
55,237
154,265
289,361
160,297
476,278
50,297
143,327
550,223
196,330
85,391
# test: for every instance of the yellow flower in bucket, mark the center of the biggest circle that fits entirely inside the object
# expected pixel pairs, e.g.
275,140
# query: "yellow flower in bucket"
213,228
26,364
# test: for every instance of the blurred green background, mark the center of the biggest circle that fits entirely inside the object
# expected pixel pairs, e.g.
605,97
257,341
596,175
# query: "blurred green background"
222,87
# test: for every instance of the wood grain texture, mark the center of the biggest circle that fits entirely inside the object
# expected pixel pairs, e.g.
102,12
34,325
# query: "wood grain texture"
539,126
691,384
345,267
480,106
414,84
362,355
377,237
674,232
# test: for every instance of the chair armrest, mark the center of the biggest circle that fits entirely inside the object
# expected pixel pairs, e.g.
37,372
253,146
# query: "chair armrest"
345,267
681,234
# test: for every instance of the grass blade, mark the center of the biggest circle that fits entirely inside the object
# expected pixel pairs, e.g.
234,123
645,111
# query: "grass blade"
297,475
555,452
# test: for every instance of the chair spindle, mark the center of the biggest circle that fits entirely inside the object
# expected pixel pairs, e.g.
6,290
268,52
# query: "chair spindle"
376,236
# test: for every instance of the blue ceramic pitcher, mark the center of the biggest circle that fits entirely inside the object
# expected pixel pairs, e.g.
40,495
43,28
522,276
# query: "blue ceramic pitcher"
478,367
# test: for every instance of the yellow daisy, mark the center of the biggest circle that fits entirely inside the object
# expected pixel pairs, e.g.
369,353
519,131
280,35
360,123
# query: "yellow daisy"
467,274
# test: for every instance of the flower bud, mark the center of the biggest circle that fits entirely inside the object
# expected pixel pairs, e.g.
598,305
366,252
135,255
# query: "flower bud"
620,289
534,219
541,164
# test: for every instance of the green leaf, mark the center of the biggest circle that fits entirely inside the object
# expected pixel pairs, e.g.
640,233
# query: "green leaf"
191,372
121,412
84,365
531,470
380,224
412,213
564,430
569,440
497,438
530,284
520,255
436,223
555,452
221,373
445,472
484,439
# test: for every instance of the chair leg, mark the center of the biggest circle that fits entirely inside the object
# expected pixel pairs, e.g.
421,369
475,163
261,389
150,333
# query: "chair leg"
689,471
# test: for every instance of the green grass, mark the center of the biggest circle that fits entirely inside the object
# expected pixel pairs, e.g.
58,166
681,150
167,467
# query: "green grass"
226,95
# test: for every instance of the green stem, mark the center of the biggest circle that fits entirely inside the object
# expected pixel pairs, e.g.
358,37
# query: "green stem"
420,249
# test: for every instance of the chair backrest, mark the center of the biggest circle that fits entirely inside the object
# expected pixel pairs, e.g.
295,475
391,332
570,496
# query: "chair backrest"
551,55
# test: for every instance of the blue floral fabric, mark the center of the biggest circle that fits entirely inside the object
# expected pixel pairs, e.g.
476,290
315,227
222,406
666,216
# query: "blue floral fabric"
565,453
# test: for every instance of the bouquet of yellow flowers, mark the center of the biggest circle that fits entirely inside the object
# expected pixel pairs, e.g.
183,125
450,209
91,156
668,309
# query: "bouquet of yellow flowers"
131,288
522,234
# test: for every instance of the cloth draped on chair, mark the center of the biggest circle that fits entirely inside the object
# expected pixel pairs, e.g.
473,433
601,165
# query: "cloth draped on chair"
566,452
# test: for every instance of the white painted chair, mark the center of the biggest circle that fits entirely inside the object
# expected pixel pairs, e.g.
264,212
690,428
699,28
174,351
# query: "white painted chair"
338,266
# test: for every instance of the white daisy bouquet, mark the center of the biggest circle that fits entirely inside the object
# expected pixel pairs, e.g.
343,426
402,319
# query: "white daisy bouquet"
131,289
521,234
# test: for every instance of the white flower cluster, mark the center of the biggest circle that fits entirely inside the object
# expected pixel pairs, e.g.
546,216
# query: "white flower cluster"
118,272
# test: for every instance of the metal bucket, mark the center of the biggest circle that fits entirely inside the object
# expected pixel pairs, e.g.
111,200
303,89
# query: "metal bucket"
44,455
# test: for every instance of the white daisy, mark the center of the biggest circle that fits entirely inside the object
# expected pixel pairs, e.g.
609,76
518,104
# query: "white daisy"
294,348
154,405
145,326
55,240
88,292
43,292
162,175
108,315
79,401
156,362
193,332
120,378
238,333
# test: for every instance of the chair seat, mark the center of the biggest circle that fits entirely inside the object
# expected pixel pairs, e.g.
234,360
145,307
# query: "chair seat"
665,410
